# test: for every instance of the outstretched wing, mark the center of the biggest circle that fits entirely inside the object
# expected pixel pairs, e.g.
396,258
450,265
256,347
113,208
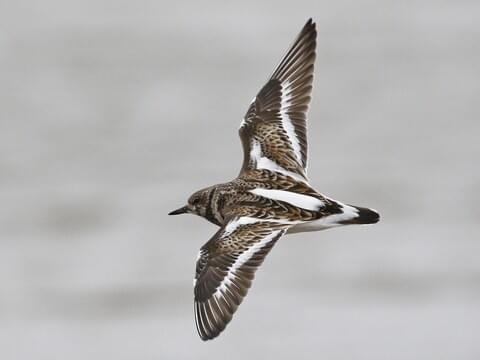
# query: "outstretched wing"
274,130
225,269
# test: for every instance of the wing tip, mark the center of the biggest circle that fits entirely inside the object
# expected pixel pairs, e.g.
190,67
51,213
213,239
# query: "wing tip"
310,26
300,53
209,322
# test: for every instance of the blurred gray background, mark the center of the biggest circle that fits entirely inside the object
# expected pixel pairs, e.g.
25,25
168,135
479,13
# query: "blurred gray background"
113,112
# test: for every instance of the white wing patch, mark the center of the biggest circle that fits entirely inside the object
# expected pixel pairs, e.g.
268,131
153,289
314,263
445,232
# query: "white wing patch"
287,122
244,220
242,259
255,151
295,199
262,162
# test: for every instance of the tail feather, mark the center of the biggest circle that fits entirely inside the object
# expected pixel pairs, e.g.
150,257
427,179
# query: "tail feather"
363,216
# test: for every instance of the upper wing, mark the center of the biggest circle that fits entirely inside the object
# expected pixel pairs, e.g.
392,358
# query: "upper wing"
274,130
225,269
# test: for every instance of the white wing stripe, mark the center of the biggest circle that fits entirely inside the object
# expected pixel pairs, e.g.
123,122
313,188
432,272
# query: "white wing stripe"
299,200
266,163
242,259
244,220
287,122
255,151
290,130
262,162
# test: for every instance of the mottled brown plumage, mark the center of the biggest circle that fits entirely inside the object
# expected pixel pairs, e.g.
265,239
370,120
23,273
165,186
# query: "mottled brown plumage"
270,197
291,79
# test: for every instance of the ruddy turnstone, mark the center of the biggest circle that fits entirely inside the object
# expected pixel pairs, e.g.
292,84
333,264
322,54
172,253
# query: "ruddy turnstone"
270,197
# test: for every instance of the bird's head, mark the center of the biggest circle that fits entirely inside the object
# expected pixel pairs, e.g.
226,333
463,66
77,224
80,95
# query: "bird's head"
197,204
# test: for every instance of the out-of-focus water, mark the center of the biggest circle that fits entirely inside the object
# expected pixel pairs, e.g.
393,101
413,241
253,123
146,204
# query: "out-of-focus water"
112,113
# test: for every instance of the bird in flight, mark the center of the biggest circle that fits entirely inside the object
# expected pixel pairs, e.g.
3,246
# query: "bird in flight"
270,197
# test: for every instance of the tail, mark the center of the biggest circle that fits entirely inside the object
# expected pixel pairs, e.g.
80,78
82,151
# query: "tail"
361,215
348,215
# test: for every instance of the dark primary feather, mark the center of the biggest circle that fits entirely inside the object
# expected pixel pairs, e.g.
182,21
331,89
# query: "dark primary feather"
292,80
216,262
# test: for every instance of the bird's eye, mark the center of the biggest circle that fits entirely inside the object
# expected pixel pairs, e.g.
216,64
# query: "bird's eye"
195,201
